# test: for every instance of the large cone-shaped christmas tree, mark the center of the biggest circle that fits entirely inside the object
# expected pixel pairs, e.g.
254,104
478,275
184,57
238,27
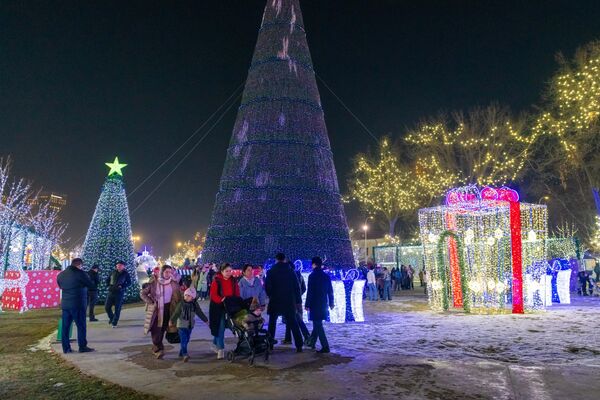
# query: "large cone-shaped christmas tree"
108,238
279,189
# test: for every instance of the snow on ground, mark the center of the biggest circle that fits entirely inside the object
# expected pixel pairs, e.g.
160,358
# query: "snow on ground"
403,351
406,327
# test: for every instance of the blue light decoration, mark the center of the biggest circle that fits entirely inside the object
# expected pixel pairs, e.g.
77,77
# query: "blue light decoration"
108,239
559,270
279,190
348,288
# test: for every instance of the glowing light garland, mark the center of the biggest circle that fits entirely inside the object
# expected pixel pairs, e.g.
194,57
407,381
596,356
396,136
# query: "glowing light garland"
494,239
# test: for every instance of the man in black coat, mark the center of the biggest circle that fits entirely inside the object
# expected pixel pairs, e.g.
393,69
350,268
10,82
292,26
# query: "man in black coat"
299,314
116,283
93,292
74,283
285,298
319,299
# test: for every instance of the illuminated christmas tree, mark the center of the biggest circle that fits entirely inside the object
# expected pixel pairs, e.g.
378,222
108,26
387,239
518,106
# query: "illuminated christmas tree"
279,189
108,238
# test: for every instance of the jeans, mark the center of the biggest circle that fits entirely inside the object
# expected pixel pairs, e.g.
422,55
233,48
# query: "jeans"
116,300
69,316
184,335
319,332
386,290
301,325
292,322
219,341
372,291
92,300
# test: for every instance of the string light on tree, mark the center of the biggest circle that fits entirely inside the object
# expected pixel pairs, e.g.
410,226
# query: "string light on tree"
487,146
384,186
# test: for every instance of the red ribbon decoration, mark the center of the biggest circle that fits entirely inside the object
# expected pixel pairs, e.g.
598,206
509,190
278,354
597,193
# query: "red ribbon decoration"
457,294
517,257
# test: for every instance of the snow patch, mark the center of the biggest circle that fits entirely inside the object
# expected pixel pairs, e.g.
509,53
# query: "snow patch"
237,195
261,179
293,20
276,4
283,53
293,66
245,160
242,134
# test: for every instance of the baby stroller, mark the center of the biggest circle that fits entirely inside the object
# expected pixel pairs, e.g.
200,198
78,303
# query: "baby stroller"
251,343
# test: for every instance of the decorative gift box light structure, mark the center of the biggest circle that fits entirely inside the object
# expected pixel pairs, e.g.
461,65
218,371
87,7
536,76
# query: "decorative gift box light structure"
348,287
27,290
21,290
485,250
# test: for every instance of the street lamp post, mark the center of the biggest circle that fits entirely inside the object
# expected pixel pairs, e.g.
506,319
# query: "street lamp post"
544,197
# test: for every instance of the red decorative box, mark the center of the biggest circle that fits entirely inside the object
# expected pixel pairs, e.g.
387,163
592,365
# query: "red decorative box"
41,291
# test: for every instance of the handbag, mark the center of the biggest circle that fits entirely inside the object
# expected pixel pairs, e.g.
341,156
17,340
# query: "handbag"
173,337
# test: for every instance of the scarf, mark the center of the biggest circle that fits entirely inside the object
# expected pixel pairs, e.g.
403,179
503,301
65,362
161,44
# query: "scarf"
161,282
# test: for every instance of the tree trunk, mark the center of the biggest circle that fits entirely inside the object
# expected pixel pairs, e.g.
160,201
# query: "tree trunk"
392,222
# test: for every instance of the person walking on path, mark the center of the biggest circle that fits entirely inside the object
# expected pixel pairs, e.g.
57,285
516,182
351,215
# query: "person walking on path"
285,299
299,315
93,292
387,284
251,286
421,278
411,277
183,316
161,297
222,287
117,282
319,299
74,283
372,284
202,283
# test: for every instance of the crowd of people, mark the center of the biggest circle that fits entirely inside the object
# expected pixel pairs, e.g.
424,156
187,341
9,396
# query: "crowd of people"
173,301
381,281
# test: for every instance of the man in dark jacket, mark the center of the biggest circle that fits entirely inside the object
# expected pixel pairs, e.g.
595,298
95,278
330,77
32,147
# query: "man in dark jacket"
299,314
285,299
93,292
74,283
116,283
318,299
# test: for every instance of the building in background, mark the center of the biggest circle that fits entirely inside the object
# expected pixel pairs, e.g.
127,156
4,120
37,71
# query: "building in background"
57,201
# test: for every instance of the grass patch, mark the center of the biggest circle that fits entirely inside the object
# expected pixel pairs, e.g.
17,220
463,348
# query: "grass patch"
44,375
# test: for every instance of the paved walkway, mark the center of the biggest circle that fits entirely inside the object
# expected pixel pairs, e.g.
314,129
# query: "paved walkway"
402,351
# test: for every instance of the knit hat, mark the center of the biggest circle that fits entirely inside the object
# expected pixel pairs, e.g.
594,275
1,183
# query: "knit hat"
190,292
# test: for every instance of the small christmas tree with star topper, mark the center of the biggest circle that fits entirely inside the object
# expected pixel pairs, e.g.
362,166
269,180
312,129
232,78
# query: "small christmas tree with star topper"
108,239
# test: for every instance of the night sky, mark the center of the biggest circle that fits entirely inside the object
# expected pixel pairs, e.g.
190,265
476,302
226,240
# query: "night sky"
81,82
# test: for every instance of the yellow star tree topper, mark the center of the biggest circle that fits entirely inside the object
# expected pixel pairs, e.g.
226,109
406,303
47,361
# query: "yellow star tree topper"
115,167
